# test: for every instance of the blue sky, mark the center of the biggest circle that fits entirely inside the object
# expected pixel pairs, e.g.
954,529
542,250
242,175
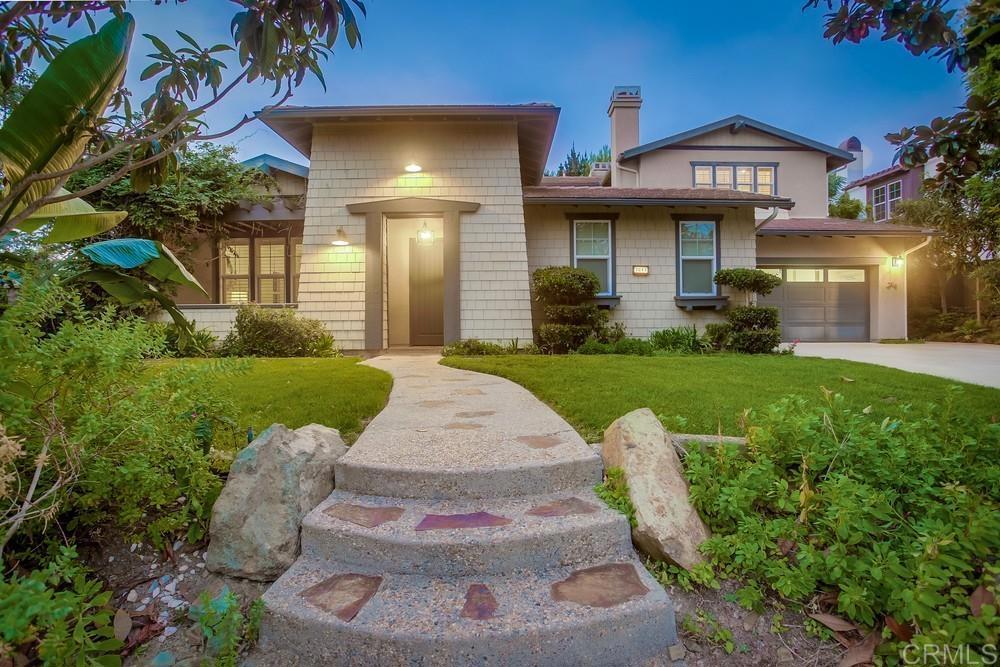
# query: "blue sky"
696,62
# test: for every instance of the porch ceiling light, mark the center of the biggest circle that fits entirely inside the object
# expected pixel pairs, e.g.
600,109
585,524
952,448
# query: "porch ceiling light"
341,239
425,236
413,167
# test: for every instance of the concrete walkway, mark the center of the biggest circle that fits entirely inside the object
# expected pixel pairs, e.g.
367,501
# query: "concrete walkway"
464,530
967,362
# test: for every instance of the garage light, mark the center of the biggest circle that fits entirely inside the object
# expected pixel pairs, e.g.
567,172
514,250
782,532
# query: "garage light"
413,167
341,239
897,262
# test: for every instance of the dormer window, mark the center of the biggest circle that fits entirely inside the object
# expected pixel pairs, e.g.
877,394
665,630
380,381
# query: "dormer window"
753,177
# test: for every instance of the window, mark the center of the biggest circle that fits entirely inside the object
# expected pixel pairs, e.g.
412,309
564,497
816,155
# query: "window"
260,270
592,250
804,275
743,177
697,258
895,195
236,271
885,198
845,275
773,272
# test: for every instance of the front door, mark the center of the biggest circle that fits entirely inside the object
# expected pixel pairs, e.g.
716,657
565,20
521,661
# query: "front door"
427,292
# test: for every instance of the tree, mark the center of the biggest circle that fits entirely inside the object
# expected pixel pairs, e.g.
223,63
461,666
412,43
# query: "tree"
842,205
13,94
275,42
926,27
580,164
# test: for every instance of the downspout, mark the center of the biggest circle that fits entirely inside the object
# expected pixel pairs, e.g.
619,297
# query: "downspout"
771,216
906,288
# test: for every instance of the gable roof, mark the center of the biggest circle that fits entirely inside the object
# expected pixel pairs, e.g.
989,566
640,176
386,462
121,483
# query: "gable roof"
266,162
536,124
878,175
835,157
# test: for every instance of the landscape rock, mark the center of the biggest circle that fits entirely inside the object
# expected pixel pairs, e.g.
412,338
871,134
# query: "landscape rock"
668,527
272,484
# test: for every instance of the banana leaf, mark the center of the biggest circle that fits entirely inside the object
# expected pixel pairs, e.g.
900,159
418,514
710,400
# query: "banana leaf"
152,256
71,220
129,290
46,132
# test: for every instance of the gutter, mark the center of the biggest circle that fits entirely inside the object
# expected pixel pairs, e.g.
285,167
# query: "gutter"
771,216
626,201
906,287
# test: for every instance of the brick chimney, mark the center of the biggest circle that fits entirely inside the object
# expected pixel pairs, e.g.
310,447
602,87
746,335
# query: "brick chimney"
624,114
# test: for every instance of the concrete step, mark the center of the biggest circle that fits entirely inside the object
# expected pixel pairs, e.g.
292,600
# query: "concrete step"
323,612
464,537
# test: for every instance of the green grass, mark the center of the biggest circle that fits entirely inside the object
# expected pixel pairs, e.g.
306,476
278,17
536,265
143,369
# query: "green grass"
334,392
710,391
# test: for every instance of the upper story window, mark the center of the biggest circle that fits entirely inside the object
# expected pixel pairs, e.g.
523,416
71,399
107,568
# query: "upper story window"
698,258
759,178
592,248
259,270
885,198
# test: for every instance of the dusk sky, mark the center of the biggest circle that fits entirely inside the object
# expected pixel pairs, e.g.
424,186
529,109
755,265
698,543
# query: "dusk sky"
697,62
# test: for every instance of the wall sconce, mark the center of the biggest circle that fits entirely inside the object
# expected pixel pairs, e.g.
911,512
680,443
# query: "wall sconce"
413,167
897,262
341,238
425,236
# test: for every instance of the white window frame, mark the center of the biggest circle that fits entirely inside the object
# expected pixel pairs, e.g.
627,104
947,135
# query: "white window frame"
884,189
890,201
611,250
681,256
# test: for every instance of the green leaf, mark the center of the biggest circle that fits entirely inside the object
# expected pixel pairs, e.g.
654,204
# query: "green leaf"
129,290
71,220
122,253
168,267
47,132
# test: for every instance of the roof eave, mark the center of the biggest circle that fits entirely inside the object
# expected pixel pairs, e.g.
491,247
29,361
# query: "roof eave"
657,201
839,232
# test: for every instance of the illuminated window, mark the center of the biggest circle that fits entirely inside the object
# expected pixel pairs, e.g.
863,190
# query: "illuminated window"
845,275
804,275
743,177
236,271
765,180
270,270
724,178
260,270
703,177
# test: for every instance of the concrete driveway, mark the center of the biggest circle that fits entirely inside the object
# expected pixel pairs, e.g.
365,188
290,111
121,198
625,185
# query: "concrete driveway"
968,362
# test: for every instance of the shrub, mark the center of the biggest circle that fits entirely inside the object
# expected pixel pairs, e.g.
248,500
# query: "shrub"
594,346
57,616
882,517
586,314
564,285
717,334
754,341
202,343
472,347
277,332
753,329
562,338
225,630
634,346
676,339
612,333
753,317
748,281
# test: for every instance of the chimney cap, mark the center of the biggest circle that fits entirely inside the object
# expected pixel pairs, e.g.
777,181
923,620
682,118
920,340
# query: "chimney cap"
626,93
850,144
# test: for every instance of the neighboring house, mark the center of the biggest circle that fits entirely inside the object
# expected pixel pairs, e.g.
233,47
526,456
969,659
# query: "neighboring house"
882,191
421,225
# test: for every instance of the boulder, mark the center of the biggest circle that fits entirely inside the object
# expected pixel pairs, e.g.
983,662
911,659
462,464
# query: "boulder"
272,484
668,527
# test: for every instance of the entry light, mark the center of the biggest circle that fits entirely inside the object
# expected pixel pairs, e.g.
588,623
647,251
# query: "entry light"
425,236
413,167
341,239
897,262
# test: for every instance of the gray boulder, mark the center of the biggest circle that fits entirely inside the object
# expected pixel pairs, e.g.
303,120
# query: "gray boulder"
272,484
668,527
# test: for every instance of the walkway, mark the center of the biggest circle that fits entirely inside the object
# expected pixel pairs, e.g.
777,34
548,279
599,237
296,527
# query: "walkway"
464,530
966,362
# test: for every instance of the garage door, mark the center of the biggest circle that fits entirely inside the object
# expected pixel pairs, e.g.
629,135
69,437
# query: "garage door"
821,303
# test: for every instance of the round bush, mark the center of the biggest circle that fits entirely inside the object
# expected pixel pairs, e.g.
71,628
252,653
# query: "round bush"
564,285
562,338
748,280
585,314
276,332
744,318
594,346
756,341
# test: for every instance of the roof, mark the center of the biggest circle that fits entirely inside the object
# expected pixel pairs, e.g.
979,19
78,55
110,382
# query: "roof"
837,227
266,162
572,181
536,124
851,143
877,176
836,157
649,196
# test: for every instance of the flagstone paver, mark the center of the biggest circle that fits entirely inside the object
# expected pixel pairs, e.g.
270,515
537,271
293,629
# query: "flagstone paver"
452,542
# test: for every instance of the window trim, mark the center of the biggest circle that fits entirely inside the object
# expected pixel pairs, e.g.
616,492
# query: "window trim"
890,201
679,219
611,219
884,189
733,166
288,236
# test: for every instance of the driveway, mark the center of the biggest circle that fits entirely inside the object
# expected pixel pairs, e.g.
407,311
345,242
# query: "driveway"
969,362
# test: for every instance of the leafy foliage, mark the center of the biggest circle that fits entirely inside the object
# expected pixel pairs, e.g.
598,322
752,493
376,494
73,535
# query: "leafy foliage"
893,518
564,285
472,347
677,339
566,292
749,281
705,626
277,332
224,627
716,336
57,616
614,492
846,207
580,164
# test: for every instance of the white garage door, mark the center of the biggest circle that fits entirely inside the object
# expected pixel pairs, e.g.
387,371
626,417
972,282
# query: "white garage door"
821,303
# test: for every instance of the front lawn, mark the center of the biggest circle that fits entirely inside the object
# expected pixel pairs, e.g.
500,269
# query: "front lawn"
710,391
339,393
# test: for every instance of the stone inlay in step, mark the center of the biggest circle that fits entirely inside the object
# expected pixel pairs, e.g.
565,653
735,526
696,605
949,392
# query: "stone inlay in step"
539,441
480,604
363,515
435,403
472,520
563,507
463,426
601,586
343,595
475,413
471,391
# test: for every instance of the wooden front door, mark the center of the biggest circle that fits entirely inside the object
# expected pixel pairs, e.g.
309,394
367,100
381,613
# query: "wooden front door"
427,293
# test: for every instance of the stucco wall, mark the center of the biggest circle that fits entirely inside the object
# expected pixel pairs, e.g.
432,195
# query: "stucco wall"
887,295
646,236
475,162
801,174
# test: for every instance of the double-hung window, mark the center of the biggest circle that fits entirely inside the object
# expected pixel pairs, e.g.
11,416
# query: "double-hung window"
885,198
895,195
759,178
235,270
260,269
698,262
592,248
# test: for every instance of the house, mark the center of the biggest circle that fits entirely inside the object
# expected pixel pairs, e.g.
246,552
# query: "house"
421,225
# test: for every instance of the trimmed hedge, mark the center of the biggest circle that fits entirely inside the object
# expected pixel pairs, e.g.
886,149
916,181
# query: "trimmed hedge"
564,285
753,317
562,338
277,332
